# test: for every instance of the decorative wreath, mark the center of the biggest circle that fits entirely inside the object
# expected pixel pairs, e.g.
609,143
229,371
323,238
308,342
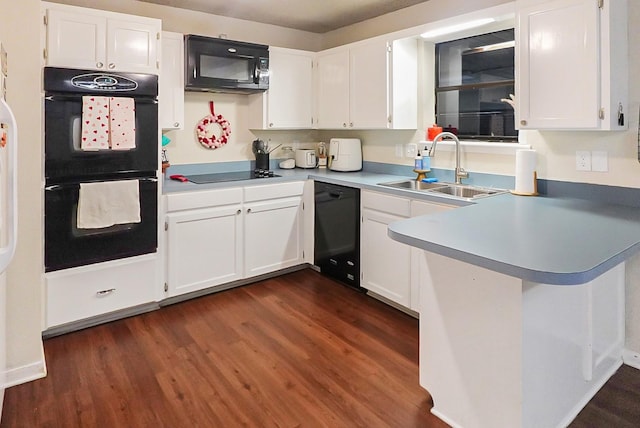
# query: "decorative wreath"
205,130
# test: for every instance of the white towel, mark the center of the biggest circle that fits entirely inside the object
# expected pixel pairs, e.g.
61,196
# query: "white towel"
95,123
107,203
123,123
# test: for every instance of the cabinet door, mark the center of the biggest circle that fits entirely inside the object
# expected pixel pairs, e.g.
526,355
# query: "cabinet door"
132,45
385,263
369,86
171,90
290,98
558,52
272,231
333,90
76,40
204,248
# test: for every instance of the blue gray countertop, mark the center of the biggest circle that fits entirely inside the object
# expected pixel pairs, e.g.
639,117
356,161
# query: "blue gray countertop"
358,179
549,240
545,240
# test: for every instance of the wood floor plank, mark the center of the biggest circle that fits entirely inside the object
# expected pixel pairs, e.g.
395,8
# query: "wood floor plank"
299,350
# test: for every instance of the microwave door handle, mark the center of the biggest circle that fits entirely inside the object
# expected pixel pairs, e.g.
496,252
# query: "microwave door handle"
256,71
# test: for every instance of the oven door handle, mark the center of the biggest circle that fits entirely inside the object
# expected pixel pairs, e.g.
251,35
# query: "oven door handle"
54,187
78,98
7,252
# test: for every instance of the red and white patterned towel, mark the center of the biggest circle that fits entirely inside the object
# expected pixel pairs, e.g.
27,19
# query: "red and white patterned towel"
123,123
95,123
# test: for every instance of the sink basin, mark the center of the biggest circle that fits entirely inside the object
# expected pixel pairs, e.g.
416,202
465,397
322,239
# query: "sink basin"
413,185
458,191
467,192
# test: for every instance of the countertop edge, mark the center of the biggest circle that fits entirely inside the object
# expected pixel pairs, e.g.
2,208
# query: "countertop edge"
531,275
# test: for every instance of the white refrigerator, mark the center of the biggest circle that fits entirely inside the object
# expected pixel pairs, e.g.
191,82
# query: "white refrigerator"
8,218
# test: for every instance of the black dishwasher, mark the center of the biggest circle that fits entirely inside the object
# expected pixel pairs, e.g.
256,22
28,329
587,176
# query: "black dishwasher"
337,232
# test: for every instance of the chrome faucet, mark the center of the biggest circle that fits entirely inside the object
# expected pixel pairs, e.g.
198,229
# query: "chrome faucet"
460,173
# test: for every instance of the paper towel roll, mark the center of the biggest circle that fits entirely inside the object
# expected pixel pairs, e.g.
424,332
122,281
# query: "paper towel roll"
526,172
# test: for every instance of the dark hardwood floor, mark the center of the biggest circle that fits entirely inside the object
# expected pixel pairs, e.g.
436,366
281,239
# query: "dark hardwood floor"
295,351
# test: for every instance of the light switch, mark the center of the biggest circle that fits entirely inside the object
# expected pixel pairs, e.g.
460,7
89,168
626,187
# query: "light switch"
599,161
412,150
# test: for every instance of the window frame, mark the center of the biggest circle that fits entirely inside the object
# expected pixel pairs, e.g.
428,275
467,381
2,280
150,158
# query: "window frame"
474,86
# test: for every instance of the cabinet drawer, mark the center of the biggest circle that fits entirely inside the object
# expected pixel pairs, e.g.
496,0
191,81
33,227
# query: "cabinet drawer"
86,292
204,199
273,191
423,208
386,203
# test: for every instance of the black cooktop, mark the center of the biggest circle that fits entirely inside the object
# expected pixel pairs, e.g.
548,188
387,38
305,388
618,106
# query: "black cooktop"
220,177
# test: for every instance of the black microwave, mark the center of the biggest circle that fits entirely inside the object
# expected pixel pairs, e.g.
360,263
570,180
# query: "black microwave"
221,65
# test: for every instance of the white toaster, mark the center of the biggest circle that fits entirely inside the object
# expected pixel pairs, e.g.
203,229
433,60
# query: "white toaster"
306,158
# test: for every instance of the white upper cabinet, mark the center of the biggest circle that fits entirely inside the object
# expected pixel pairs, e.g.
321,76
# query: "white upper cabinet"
132,44
76,40
571,64
368,91
171,95
368,85
288,104
87,38
333,89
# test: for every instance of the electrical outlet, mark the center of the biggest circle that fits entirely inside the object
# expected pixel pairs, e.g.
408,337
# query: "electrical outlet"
412,150
599,161
583,161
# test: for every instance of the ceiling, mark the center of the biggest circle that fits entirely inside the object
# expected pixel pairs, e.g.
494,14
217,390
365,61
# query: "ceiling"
317,16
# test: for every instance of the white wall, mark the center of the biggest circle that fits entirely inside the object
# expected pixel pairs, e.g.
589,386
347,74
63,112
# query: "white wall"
24,289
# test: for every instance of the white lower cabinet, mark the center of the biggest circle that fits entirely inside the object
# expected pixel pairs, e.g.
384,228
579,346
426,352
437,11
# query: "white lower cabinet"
272,235
215,237
385,263
388,268
89,291
204,248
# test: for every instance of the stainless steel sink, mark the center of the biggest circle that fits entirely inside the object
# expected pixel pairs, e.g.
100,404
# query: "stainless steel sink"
413,185
450,190
467,192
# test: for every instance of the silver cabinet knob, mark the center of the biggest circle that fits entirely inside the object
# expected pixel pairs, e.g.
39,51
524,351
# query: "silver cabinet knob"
176,124
111,66
344,125
523,122
99,64
248,210
238,212
350,124
271,125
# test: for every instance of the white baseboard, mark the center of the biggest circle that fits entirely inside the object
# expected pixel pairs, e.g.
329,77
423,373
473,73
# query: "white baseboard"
631,358
25,373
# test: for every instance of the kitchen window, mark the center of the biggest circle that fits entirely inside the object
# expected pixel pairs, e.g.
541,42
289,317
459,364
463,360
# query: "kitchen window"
473,77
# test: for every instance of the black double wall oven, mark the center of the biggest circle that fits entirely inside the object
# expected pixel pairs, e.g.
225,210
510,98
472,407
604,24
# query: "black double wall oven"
101,201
